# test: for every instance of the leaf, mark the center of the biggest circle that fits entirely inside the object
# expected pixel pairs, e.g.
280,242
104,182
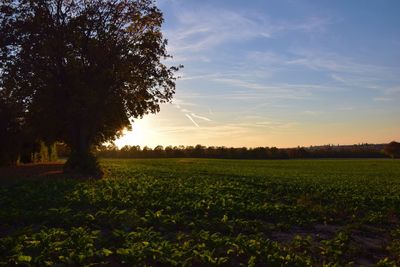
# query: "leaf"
24,258
106,252
123,251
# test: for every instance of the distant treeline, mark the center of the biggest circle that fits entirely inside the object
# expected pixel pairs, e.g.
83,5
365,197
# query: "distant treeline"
199,151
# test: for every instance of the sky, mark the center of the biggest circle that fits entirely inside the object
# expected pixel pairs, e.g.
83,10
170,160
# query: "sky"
282,73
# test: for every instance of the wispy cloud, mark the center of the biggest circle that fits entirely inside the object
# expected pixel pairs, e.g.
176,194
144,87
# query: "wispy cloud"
345,108
277,91
204,29
311,112
276,124
338,78
263,69
389,94
179,102
325,61
381,98
228,130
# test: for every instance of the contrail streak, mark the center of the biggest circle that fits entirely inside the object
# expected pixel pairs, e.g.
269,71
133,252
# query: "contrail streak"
200,117
190,118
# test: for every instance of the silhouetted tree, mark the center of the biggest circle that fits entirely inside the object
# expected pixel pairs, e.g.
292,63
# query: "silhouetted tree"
84,68
199,151
10,129
392,149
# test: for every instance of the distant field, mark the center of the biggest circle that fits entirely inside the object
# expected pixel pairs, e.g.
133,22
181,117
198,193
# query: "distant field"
202,212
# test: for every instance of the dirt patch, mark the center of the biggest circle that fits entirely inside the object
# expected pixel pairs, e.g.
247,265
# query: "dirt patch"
368,243
318,232
372,243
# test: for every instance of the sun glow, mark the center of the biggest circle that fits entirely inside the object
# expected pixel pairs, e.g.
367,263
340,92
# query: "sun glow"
136,136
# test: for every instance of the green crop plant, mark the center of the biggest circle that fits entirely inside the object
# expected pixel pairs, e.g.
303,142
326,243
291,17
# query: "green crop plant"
204,212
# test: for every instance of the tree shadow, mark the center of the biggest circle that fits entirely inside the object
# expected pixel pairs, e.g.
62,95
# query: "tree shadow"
39,171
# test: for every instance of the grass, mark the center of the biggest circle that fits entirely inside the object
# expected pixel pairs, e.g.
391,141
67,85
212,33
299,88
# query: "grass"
204,212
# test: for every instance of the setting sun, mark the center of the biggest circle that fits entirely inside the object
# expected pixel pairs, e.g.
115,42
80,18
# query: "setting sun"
136,136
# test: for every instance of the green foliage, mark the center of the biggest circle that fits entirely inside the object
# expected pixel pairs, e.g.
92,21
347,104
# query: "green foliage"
83,69
185,212
392,149
46,153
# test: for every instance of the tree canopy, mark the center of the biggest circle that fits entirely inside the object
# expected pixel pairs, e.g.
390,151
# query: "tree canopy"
81,70
392,149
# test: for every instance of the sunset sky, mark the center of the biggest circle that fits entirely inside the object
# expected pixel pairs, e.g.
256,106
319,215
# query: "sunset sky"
279,73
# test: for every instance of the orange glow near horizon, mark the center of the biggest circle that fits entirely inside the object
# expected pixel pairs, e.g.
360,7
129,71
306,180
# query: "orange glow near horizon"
136,136
172,127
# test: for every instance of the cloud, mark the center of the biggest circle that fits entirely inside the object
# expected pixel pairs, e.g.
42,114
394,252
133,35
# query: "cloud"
311,112
226,130
203,30
389,94
276,124
338,78
393,91
341,64
267,57
350,73
345,108
179,102
207,28
186,77
281,90
384,99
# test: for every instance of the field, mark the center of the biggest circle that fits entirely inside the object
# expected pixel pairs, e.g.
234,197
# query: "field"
201,212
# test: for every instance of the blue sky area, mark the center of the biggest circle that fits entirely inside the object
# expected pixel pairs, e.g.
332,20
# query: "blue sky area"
279,73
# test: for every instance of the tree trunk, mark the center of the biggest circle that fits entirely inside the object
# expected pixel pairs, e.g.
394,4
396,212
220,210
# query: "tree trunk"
81,160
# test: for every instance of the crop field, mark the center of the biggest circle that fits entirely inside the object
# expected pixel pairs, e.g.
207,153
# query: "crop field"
202,212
